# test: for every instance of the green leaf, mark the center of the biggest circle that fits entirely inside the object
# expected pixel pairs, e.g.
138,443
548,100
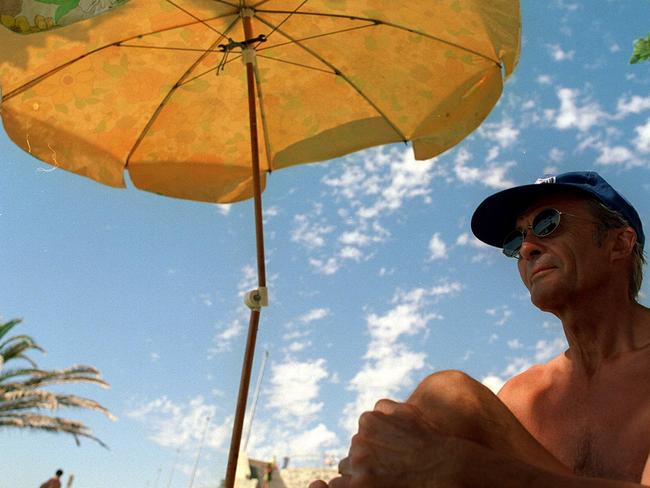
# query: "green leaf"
641,50
65,6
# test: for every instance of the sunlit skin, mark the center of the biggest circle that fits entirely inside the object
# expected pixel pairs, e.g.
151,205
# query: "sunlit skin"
581,420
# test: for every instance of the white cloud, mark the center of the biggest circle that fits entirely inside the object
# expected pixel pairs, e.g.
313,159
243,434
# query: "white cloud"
516,366
304,447
224,338
492,175
493,153
326,267
298,346
465,239
181,425
493,382
572,115
314,314
294,390
527,105
404,179
503,133
559,54
312,441
502,313
248,279
223,208
545,350
556,155
440,290
386,272
352,182
437,248
294,334
485,251
389,362
371,186
382,378
632,105
352,253
642,141
309,234
544,80
615,155
355,238
570,7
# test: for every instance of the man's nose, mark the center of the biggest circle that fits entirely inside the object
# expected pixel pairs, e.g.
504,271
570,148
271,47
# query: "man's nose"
531,246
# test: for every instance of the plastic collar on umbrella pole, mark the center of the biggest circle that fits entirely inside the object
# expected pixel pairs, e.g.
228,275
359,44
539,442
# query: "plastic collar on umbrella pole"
248,55
246,13
256,299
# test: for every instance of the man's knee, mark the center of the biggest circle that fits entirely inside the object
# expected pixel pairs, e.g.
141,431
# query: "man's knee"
456,403
449,388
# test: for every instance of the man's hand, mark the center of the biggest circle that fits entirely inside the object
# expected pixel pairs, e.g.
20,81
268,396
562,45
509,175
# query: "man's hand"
396,447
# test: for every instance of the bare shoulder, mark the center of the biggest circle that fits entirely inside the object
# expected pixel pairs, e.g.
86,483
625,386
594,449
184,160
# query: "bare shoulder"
522,389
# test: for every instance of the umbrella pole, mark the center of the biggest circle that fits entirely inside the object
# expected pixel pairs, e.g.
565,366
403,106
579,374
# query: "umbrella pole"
256,298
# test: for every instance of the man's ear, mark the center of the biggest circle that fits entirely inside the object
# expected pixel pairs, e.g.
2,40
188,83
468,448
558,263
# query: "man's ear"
624,240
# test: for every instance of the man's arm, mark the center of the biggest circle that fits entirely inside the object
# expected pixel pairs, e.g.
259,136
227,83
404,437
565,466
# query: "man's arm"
397,447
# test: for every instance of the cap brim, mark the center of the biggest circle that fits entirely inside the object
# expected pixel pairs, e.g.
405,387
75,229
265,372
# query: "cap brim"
497,215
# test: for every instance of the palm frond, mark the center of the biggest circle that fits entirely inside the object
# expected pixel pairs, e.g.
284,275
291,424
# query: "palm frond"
49,424
7,326
22,393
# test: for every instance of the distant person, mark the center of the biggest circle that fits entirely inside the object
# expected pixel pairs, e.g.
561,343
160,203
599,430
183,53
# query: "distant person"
54,481
582,420
268,475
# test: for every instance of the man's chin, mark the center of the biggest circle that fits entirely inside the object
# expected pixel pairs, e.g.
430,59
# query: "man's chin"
545,299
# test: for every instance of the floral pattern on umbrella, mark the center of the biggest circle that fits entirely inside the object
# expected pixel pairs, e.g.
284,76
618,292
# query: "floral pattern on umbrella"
31,16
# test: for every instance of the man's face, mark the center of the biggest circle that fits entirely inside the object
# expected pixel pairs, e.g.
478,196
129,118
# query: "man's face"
567,265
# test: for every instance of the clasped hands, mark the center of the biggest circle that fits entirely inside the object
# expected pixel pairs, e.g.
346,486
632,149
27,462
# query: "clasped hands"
396,446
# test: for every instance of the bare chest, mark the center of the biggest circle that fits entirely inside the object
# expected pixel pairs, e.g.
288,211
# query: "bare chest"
604,432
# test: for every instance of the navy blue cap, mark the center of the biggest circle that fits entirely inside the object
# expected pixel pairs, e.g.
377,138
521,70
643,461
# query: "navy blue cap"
497,215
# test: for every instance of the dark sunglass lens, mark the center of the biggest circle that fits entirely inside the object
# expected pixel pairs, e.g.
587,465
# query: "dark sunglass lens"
512,243
546,222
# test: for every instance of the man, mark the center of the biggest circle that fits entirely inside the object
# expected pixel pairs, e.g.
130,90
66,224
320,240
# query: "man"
54,481
580,421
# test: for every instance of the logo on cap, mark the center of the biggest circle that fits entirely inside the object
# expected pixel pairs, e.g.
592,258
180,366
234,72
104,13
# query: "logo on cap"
550,179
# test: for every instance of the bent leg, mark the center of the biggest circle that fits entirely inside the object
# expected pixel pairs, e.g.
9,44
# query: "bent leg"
457,405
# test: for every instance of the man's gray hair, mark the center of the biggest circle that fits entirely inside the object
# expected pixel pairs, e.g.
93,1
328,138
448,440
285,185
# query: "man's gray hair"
611,219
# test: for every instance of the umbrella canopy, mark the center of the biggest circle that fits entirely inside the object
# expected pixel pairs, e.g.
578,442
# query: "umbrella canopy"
31,16
158,87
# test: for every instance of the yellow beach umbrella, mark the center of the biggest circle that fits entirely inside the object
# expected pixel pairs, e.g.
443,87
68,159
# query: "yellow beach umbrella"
200,99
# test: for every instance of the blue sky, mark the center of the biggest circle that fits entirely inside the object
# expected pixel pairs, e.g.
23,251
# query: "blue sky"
375,279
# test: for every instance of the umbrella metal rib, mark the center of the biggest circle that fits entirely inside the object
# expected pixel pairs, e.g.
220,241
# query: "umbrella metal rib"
163,102
347,79
381,22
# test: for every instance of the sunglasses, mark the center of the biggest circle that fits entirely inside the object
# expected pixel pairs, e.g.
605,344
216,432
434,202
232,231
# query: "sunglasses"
544,224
